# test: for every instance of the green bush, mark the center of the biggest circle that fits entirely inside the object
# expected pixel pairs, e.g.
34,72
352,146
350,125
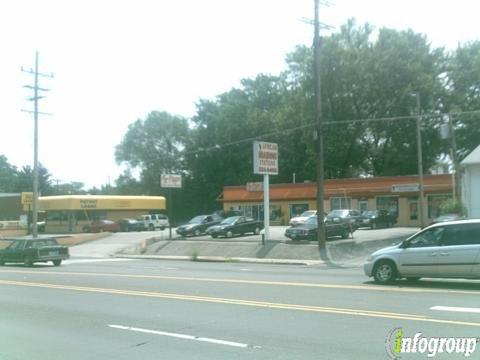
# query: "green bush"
452,206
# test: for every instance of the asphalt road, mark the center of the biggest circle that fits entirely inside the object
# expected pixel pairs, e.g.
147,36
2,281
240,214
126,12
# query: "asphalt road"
94,308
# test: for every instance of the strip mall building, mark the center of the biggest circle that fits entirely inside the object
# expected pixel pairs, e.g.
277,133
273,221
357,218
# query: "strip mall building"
397,194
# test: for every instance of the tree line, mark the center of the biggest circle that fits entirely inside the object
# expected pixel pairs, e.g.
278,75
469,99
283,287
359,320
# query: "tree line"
373,85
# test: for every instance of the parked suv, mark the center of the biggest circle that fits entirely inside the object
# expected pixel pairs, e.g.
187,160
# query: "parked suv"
349,215
154,221
447,250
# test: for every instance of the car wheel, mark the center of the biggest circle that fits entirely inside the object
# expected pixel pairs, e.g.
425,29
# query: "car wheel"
229,234
57,262
2,262
214,236
85,229
345,234
151,227
257,231
162,228
384,272
197,232
27,261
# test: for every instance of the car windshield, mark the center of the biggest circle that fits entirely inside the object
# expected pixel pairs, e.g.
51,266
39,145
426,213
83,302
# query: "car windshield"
230,220
338,213
197,219
370,213
308,213
312,220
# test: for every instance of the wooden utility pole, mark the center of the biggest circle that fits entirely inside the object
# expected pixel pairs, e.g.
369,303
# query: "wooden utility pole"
35,112
319,135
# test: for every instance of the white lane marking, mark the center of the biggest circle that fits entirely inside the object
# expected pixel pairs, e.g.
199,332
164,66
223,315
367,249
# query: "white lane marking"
245,269
182,336
85,261
456,309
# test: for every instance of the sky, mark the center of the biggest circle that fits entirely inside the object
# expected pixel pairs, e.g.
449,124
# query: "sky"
113,62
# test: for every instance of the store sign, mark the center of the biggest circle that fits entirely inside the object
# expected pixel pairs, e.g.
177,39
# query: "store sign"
265,158
88,203
171,181
255,186
27,198
406,188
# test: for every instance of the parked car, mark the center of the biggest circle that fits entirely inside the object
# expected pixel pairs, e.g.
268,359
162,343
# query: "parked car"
378,218
302,218
235,225
354,217
131,225
308,230
32,250
101,226
198,225
154,221
446,250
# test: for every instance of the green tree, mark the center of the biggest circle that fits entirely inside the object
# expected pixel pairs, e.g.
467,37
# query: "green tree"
24,181
8,174
154,146
464,95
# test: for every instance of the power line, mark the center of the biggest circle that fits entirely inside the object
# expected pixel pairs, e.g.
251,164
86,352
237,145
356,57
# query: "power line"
339,122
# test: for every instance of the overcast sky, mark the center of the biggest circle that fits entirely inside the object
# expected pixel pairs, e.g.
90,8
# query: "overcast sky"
116,61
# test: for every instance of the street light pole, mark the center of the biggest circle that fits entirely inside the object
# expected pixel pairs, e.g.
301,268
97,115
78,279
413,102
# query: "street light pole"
420,162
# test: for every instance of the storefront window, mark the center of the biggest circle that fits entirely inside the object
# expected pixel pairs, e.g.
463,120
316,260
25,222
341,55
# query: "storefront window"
337,203
297,209
413,207
389,203
434,202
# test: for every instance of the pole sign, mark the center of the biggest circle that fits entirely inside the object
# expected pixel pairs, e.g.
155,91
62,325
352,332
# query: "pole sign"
171,181
265,158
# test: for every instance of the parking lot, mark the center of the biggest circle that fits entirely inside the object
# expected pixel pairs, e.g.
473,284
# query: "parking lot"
277,233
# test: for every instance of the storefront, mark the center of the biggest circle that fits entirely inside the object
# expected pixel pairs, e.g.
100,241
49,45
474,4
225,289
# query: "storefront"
399,195
70,213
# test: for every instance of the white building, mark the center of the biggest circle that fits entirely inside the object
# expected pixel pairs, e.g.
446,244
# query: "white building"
471,183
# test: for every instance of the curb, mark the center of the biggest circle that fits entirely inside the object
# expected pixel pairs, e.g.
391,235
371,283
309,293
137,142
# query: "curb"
224,259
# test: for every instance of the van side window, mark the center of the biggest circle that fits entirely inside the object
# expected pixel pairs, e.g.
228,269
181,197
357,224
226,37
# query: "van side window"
428,238
463,234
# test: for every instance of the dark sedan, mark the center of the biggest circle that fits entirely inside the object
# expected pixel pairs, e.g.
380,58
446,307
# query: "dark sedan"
235,225
101,226
32,250
131,225
378,218
308,230
198,225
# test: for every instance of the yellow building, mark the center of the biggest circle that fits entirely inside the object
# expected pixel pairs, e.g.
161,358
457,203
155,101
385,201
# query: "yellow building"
70,213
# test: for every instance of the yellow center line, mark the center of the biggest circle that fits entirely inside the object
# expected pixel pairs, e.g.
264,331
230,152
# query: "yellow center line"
250,282
262,304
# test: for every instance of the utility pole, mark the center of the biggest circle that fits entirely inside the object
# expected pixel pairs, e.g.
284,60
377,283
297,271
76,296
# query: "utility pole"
35,112
319,136
420,162
453,154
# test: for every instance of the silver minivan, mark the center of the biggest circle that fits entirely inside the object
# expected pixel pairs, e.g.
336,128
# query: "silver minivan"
444,250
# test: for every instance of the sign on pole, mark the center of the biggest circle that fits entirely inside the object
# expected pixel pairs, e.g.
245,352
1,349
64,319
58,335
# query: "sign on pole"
265,162
171,181
265,158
